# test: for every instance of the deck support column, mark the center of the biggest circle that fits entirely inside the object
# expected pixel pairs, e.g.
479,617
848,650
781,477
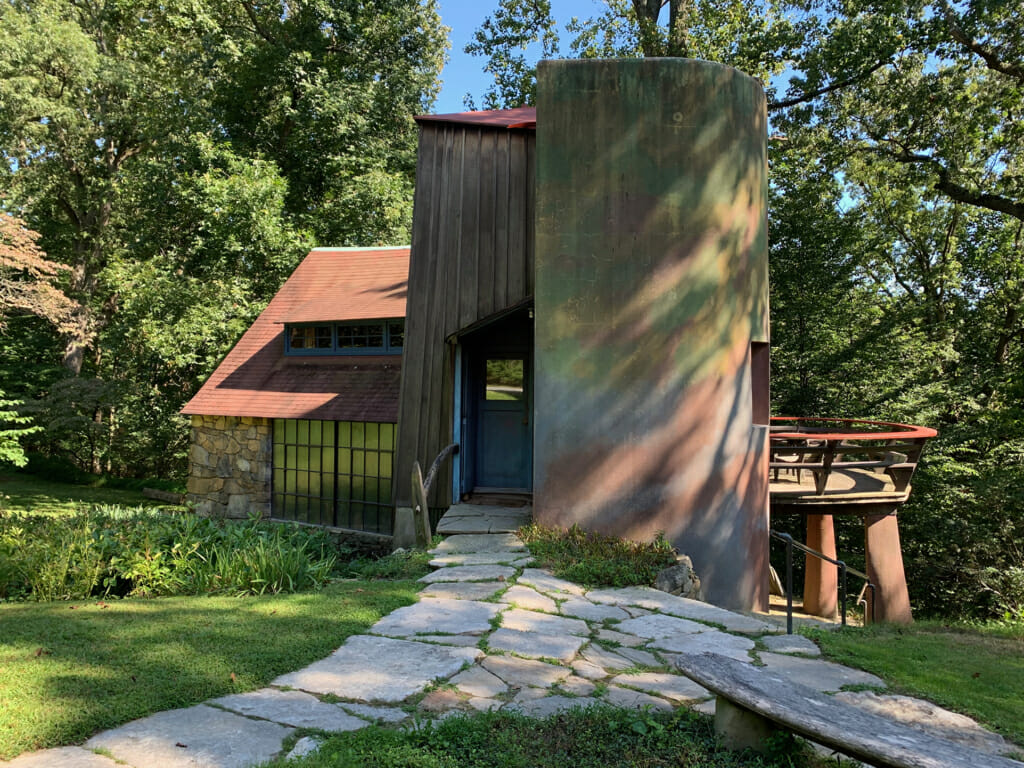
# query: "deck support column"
885,569
821,580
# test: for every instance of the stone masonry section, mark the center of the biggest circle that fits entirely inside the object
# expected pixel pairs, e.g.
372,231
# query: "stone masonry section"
229,466
516,639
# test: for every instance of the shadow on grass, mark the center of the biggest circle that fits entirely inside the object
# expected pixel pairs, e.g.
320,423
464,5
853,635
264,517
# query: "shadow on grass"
73,669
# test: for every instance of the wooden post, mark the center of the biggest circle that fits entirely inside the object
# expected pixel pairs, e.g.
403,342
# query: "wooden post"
821,579
420,509
885,569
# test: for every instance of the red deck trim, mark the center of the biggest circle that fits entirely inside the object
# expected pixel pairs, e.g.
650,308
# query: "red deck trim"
897,432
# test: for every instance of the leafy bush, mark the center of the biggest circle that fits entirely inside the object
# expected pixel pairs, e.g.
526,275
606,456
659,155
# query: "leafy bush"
117,551
401,564
596,560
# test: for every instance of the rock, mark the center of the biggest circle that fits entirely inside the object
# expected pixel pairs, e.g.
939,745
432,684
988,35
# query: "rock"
543,623
379,669
679,579
588,611
482,542
524,672
307,745
197,736
674,687
545,581
441,701
623,697
375,714
62,757
713,641
550,705
530,599
791,644
470,573
463,590
658,625
294,708
477,681
817,674
433,616
536,646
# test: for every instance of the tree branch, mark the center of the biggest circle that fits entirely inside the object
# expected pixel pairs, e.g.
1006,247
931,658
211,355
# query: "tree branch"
805,97
959,192
988,54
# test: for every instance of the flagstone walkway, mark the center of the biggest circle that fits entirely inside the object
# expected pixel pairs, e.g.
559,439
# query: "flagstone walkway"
496,634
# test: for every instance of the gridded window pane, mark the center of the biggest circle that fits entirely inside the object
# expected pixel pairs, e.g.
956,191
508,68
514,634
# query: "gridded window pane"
311,337
396,334
361,336
334,473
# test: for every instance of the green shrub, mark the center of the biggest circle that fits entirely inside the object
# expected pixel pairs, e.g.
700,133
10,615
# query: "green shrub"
596,560
404,564
116,551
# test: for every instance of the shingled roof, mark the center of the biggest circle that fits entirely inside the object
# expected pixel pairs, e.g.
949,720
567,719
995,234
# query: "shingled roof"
331,284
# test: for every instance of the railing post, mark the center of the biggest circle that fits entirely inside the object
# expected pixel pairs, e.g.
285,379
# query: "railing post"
789,584
842,593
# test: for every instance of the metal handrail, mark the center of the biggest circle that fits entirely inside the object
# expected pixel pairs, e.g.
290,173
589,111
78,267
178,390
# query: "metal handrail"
844,569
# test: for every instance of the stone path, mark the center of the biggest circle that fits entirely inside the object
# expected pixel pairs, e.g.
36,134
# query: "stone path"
488,633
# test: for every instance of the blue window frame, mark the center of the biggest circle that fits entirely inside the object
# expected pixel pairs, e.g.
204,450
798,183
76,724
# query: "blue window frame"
362,337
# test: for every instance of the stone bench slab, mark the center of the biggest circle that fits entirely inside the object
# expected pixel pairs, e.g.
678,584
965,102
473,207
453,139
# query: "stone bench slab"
862,735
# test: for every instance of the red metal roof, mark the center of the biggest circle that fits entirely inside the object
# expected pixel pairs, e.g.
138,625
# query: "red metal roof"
256,379
520,117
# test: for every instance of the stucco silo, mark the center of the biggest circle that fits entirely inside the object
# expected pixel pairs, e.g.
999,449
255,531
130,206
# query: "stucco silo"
651,306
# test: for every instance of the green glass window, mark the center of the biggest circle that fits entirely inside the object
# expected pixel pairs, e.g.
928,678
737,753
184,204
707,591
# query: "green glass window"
335,473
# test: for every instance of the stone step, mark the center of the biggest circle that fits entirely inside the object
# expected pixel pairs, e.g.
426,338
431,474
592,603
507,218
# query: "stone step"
483,518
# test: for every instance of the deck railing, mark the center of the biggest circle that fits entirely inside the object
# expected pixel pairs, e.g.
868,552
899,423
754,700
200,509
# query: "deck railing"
844,569
823,446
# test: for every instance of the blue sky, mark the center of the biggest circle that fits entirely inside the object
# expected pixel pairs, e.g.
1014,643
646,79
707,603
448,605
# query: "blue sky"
464,73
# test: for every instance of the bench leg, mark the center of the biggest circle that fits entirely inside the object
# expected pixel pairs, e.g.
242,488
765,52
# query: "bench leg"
885,569
821,580
739,728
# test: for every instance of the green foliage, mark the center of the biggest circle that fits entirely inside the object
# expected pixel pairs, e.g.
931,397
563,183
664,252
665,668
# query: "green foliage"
115,551
974,668
14,427
404,564
180,158
596,560
593,738
72,669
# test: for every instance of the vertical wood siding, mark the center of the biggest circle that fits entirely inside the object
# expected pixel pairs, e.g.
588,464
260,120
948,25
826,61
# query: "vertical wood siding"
472,256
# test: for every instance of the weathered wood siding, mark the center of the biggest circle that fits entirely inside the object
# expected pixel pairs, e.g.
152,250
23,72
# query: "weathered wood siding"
472,256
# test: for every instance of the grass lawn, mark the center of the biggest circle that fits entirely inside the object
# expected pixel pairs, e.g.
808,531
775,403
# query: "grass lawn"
31,493
594,738
976,670
70,669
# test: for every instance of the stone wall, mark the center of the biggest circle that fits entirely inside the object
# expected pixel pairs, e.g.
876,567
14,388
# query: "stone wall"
230,465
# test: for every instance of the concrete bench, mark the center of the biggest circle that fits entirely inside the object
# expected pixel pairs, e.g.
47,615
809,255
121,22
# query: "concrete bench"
752,703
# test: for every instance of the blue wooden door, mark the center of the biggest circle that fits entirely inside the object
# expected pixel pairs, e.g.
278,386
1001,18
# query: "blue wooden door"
504,433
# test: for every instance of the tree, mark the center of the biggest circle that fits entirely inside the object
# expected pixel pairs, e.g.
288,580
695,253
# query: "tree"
180,157
13,427
27,276
753,36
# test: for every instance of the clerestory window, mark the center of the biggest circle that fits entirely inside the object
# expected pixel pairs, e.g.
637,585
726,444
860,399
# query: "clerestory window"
373,337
